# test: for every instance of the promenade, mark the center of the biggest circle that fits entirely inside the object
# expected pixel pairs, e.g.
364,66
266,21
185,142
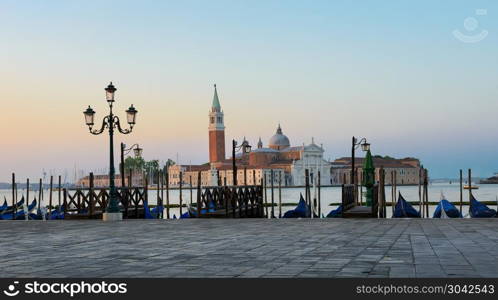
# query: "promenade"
251,248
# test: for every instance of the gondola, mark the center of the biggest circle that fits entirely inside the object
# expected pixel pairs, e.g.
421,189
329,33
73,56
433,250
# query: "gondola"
20,214
480,210
302,210
157,211
154,213
10,209
4,205
185,215
336,213
192,211
147,213
403,209
448,210
56,214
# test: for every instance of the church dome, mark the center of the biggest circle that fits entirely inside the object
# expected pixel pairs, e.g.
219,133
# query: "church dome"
279,140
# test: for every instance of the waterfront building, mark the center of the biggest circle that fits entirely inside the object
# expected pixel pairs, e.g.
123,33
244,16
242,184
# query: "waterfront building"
100,181
406,169
288,163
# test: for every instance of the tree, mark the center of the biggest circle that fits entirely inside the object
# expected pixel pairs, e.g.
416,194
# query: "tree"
134,163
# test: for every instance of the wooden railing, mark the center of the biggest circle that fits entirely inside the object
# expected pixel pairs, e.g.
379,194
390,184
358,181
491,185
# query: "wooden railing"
350,208
91,202
225,201
348,196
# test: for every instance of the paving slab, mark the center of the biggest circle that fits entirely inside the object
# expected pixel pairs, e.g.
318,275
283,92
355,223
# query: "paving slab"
250,248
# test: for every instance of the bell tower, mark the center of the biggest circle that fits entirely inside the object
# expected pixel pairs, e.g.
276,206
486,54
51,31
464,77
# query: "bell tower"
216,131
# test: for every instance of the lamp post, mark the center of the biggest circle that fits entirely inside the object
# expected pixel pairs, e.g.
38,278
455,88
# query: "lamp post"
138,153
354,145
111,122
246,148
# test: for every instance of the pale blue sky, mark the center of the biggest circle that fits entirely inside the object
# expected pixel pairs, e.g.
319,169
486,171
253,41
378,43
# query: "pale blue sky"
388,70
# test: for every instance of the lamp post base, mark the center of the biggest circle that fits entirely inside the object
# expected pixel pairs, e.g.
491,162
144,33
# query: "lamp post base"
114,216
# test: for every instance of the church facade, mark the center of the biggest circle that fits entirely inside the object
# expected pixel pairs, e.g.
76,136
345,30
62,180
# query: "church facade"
286,163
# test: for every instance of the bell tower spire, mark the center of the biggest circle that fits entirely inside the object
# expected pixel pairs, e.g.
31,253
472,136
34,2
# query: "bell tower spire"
216,130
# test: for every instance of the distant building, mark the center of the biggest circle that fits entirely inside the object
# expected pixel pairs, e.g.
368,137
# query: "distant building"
103,180
288,163
406,169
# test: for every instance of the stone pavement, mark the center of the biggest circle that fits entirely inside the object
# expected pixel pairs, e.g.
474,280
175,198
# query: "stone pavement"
250,248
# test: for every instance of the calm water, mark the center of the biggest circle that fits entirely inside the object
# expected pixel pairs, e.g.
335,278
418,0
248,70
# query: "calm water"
330,195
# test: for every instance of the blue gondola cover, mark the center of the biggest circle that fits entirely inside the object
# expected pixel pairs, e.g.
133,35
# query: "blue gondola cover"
302,210
450,210
336,213
403,209
480,210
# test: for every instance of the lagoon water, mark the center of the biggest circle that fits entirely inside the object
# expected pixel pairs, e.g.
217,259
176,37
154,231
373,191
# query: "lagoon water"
329,195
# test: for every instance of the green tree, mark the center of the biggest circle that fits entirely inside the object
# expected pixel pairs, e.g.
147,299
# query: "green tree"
134,163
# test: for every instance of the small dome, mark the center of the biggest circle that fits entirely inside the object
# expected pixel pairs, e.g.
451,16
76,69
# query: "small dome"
279,140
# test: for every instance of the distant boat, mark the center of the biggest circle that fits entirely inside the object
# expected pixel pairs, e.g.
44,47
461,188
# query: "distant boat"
470,187
491,180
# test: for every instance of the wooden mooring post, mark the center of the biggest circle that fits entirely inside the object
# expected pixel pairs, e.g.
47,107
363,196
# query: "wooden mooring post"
426,192
272,194
266,196
360,183
392,191
470,184
420,191
461,190
319,195
382,193
91,198
162,193
191,190
27,195
167,194
50,195
59,192
280,194
199,191
181,193
307,190
14,192
40,191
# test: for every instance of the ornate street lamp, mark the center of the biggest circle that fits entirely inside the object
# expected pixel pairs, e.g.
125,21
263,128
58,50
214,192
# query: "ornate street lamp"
138,153
111,122
246,148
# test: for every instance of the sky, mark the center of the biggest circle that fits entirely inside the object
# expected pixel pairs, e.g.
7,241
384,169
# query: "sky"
394,72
